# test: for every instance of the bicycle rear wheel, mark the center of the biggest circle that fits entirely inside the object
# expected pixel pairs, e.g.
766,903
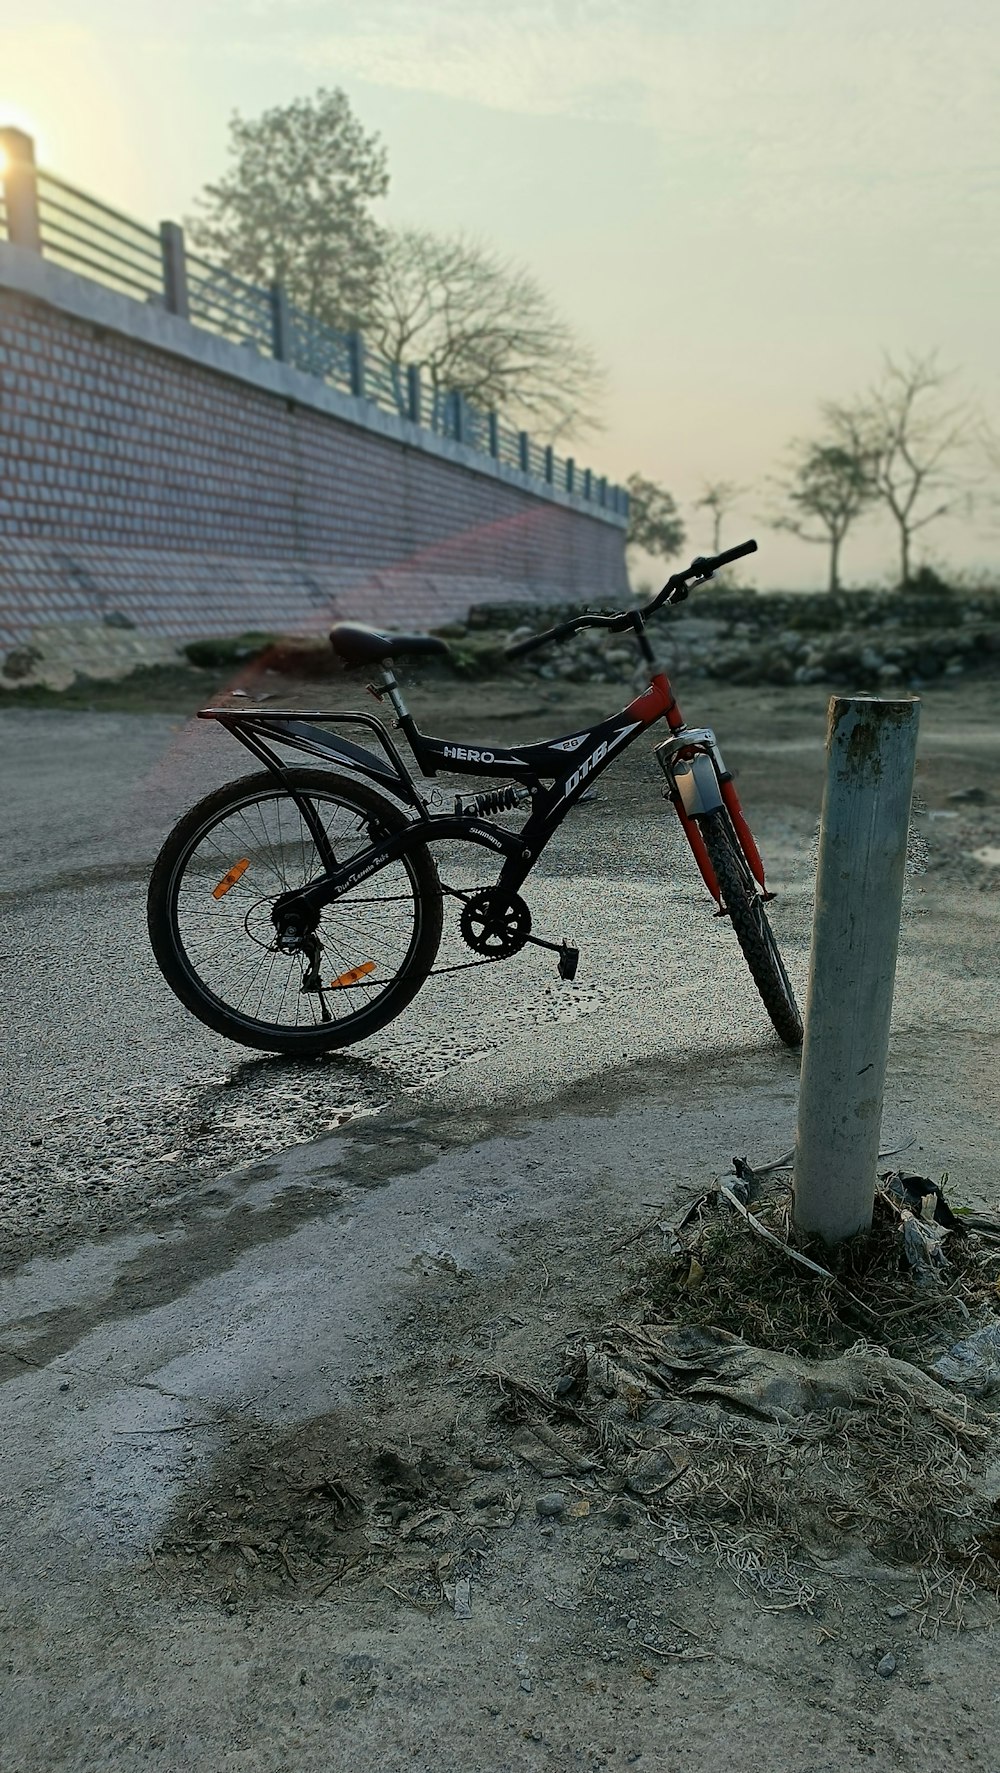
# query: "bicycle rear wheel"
215,882
742,899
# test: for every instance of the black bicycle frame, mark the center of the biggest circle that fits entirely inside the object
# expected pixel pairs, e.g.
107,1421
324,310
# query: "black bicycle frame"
571,764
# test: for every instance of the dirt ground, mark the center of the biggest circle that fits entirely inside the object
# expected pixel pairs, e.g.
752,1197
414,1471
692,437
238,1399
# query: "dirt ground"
329,1461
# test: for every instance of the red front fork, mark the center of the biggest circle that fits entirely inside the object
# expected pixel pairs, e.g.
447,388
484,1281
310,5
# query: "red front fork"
659,701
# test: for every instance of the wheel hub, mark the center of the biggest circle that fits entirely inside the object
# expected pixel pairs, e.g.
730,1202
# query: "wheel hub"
293,932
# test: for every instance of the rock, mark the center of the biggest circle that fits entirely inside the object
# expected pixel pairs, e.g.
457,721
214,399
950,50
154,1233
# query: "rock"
897,1612
627,1555
487,1498
551,1505
886,1667
970,796
484,1460
20,662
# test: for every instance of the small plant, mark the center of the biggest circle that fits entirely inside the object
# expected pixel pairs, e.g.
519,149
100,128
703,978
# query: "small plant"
219,652
927,583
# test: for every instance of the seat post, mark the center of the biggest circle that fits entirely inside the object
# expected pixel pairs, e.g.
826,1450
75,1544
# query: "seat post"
393,690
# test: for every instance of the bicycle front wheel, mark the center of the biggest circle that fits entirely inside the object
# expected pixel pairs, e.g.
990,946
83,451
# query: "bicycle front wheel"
211,894
742,899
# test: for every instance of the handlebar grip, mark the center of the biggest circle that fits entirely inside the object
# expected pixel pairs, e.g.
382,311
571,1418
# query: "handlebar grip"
735,553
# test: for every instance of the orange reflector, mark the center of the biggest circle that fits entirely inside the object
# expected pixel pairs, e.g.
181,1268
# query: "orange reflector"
355,973
236,873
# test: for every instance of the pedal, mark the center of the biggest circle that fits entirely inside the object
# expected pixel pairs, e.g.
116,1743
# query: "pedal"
569,960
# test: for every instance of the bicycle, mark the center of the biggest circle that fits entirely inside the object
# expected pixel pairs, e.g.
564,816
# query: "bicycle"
299,910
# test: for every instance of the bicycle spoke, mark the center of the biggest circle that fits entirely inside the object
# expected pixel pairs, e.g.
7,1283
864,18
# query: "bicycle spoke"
230,940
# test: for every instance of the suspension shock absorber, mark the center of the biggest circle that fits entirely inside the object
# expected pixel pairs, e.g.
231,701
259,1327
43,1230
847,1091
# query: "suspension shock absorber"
491,802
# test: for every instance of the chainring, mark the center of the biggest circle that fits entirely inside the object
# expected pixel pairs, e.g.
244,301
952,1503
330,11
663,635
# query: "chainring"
493,926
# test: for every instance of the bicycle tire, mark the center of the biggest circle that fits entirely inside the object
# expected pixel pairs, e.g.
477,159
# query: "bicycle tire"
203,937
742,899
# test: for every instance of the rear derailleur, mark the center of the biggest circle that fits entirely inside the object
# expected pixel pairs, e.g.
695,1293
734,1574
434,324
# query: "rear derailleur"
293,936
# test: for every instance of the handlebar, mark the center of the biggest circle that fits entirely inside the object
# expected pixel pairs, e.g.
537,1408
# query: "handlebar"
674,591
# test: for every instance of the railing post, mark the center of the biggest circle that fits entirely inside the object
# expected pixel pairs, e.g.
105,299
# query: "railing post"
602,490
414,394
570,473
871,749
493,434
461,424
356,350
550,463
281,323
20,189
625,502
174,256
524,452
587,479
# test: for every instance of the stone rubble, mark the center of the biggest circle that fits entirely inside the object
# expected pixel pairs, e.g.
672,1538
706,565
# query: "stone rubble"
870,640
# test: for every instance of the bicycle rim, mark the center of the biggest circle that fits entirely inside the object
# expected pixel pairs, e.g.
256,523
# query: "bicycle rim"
235,863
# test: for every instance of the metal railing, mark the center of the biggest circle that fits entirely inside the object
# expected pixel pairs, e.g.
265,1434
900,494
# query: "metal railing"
87,236
223,303
43,212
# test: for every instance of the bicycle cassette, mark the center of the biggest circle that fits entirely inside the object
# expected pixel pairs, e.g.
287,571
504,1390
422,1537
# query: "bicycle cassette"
493,927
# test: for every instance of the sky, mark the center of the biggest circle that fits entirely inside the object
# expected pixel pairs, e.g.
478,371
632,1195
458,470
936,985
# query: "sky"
742,205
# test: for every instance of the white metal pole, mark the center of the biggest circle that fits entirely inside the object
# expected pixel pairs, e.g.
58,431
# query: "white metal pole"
871,750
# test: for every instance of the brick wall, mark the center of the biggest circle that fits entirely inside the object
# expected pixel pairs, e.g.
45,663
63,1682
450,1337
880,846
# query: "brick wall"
135,479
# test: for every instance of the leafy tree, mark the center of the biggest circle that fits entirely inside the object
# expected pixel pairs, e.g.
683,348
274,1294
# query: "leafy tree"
654,523
827,487
718,496
909,446
482,327
293,207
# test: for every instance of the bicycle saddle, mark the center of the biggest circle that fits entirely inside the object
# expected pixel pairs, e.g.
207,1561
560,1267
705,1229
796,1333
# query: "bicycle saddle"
358,644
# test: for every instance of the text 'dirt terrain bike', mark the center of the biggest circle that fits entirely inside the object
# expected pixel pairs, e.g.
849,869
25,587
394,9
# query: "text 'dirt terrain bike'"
300,909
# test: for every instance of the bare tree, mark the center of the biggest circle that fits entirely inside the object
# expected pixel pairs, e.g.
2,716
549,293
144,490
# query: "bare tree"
482,327
719,497
910,446
293,208
827,487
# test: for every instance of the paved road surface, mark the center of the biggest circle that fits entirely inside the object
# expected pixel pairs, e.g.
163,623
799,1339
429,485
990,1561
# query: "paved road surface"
114,1094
